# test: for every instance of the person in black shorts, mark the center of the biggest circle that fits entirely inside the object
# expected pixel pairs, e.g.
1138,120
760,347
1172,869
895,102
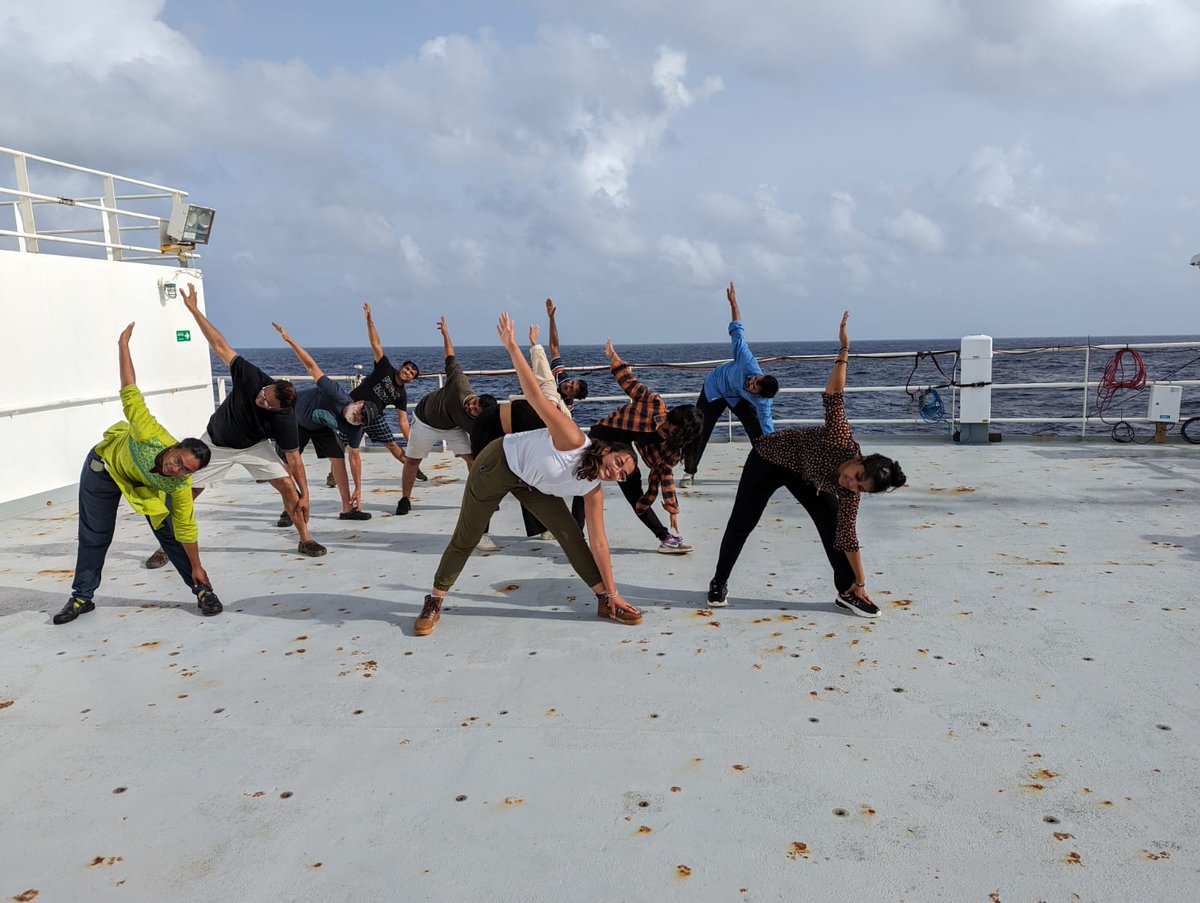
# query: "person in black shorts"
385,385
257,409
325,413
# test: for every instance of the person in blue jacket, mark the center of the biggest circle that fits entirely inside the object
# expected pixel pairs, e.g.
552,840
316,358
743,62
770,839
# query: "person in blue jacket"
740,386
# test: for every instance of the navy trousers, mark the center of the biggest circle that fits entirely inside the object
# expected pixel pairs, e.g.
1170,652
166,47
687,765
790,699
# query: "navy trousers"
99,499
712,411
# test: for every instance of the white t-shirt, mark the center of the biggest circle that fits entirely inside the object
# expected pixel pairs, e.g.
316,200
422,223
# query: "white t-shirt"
532,457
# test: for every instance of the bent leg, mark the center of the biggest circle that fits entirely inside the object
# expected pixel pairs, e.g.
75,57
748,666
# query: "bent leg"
489,481
758,483
631,488
99,498
165,534
286,487
712,411
747,414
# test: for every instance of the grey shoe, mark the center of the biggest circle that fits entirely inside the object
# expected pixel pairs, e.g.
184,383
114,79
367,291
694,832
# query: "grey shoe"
157,560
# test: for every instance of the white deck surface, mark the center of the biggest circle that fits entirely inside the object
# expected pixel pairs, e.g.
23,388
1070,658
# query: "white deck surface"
1020,725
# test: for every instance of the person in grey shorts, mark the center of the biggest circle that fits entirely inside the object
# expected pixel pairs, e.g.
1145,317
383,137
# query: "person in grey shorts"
444,415
541,469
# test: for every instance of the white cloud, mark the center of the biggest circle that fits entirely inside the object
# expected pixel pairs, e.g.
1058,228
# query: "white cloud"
699,263
471,257
418,267
841,220
916,230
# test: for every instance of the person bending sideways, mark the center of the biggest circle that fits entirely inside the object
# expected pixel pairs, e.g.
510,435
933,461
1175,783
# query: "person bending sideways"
258,408
385,385
325,413
140,460
740,386
661,436
541,469
570,389
446,414
824,468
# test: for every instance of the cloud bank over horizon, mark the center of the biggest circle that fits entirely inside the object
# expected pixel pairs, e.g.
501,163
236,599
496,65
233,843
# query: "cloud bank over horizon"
940,168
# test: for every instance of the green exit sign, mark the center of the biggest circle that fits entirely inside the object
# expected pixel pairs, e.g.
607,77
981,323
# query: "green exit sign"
183,335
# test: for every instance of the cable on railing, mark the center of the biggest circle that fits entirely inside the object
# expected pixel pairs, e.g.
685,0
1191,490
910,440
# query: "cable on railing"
928,400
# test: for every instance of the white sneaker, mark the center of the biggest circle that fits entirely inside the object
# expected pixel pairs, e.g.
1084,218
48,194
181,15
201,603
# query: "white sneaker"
674,545
485,544
686,481
547,537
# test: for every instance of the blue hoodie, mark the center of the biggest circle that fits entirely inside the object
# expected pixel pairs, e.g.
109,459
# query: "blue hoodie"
728,381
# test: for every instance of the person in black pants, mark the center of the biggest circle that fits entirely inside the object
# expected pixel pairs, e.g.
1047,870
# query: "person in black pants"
824,469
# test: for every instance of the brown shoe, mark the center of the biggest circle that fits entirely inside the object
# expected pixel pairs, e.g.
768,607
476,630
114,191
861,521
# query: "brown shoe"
312,549
157,560
429,616
605,609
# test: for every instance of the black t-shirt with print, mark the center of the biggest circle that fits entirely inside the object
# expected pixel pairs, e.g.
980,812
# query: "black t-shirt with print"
382,386
240,423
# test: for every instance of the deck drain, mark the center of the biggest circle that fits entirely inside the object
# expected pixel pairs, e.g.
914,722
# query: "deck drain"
814,720
1050,819
1163,727
643,804
1088,658
897,689
286,795
217,711
120,789
461,798
840,813
984,724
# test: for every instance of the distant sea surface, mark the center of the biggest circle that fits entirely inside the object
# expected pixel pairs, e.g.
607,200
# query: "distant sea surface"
1057,366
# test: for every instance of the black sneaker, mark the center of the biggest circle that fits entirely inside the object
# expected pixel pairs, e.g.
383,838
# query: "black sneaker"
209,603
285,520
73,609
857,606
354,514
716,594
421,475
404,506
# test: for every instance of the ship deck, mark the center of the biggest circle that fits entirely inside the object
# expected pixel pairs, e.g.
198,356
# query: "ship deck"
1020,725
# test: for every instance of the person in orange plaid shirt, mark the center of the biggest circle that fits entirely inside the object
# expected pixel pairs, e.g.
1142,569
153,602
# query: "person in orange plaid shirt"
660,436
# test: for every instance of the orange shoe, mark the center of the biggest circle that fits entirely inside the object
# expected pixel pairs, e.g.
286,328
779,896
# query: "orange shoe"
605,609
429,616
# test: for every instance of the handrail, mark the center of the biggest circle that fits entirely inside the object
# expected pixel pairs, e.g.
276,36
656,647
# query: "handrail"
731,423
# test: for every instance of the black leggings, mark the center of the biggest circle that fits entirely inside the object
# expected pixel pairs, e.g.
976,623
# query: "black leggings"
759,481
631,486
744,411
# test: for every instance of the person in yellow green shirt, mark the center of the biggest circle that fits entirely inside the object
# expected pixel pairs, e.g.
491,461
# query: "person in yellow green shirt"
140,460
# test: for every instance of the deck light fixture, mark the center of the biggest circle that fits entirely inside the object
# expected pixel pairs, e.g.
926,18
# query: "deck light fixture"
188,226
1196,260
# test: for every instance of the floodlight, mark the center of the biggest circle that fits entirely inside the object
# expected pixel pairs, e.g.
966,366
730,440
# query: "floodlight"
1196,260
188,226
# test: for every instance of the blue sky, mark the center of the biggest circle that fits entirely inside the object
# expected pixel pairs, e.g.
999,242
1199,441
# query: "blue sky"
939,167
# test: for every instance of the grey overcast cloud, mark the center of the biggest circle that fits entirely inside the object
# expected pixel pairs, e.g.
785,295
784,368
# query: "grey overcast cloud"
939,167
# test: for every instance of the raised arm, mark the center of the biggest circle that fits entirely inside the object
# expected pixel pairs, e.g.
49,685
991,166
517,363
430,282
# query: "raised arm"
447,345
563,431
372,335
128,377
212,335
623,374
305,358
837,379
551,310
734,313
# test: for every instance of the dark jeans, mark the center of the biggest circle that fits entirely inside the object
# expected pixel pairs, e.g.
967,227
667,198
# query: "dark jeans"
744,411
631,486
99,498
759,481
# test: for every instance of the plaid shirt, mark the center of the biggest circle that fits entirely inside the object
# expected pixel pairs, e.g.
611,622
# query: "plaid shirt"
645,414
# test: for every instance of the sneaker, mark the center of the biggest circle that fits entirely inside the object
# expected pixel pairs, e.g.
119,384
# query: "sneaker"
421,475
73,609
486,544
157,560
686,481
674,545
430,614
312,549
857,606
285,520
330,481
546,537
209,603
716,594
354,514
404,506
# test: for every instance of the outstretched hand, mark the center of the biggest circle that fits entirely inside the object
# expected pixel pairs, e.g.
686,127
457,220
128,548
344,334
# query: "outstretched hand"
125,334
551,310
731,295
441,325
367,311
534,330
507,330
282,332
842,337
609,349
189,297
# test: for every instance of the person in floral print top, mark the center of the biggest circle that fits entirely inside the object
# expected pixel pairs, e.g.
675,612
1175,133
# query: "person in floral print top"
824,468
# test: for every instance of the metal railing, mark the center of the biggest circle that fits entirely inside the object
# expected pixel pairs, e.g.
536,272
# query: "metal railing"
104,217
1087,385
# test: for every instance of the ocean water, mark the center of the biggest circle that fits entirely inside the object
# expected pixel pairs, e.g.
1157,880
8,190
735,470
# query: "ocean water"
651,365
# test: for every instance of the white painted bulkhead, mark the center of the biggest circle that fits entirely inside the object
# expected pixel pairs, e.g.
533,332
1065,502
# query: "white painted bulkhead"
61,318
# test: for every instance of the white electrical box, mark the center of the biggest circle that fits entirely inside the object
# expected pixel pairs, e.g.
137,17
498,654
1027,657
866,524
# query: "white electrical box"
975,379
1164,402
